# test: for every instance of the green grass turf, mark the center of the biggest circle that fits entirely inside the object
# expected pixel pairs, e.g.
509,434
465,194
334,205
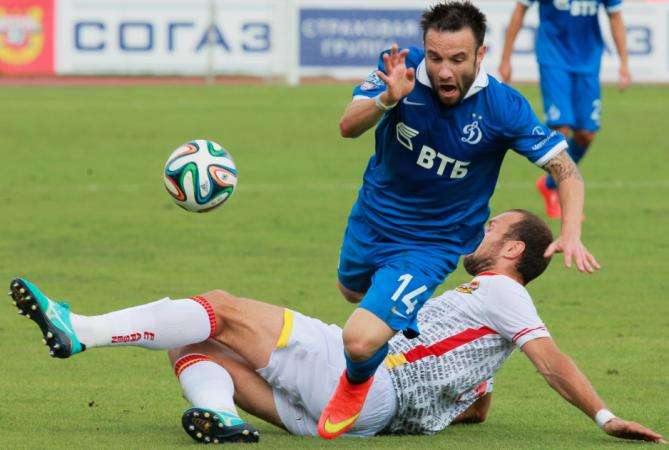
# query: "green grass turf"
85,215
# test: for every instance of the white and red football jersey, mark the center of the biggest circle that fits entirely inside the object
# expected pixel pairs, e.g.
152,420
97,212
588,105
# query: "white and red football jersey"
466,334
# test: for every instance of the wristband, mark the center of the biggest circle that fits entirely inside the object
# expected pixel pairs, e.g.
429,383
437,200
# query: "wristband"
603,416
382,106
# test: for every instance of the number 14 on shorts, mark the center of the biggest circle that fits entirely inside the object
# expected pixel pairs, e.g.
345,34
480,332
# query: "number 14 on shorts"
408,298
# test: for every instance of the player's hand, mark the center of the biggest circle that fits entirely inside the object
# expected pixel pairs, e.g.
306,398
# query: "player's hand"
631,430
399,80
625,78
504,70
573,249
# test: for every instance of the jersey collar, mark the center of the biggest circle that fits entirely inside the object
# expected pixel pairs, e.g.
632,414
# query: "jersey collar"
480,82
489,273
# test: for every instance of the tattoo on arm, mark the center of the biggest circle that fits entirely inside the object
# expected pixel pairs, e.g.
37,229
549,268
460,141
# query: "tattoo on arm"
562,167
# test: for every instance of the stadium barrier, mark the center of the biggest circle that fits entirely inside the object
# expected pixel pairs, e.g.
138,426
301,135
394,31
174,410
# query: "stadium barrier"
270,38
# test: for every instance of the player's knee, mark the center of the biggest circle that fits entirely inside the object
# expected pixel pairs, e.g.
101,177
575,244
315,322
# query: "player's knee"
349,295
584,138
359,345
175,354
200,348
219,298
224,305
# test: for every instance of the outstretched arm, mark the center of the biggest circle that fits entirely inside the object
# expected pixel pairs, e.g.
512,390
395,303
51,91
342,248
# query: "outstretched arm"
572,194
562,375
509,39
620,39
361,115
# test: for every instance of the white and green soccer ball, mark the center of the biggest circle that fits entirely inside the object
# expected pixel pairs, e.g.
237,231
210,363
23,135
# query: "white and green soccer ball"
200,175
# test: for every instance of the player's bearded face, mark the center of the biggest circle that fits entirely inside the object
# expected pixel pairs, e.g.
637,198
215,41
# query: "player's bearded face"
452,60
490,249
482,259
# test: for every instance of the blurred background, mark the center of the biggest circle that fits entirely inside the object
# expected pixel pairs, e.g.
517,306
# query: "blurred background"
94,96
282,40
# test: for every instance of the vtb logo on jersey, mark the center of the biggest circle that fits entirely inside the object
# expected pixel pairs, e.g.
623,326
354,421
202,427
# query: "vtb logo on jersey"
404,134
577,7
429,158
472,132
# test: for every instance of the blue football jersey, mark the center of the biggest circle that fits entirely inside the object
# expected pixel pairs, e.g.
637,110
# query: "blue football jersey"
435,167
569,36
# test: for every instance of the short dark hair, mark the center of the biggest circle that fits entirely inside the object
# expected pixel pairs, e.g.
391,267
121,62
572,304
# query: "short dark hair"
537,236
454,16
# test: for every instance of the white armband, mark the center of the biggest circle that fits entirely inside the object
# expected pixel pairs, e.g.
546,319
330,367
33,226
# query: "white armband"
382,106
603,416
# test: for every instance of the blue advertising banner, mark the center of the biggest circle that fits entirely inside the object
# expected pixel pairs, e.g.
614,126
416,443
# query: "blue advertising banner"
354,37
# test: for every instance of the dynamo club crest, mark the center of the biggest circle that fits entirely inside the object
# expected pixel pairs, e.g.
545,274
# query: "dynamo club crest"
372,82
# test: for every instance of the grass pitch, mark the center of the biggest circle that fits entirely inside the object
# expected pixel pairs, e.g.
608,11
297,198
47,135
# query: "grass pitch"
85,215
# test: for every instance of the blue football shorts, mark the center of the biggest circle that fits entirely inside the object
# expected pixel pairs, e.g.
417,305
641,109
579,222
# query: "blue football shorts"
396,278
571,99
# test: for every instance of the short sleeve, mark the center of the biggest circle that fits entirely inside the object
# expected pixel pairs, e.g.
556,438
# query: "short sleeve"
527,135
613,5
372,85
527,3
511,312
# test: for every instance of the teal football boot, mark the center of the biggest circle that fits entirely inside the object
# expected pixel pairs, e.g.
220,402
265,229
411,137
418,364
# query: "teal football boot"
53,318
212,427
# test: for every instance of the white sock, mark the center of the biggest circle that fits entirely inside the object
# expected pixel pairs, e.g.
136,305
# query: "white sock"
160,325
205,383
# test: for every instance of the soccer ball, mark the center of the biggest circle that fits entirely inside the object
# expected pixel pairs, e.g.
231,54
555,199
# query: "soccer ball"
200,175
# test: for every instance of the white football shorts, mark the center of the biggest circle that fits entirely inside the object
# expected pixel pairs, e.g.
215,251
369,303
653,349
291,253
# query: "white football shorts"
304,370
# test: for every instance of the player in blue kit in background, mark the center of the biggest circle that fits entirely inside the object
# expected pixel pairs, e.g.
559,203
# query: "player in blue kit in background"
569,50
443,129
